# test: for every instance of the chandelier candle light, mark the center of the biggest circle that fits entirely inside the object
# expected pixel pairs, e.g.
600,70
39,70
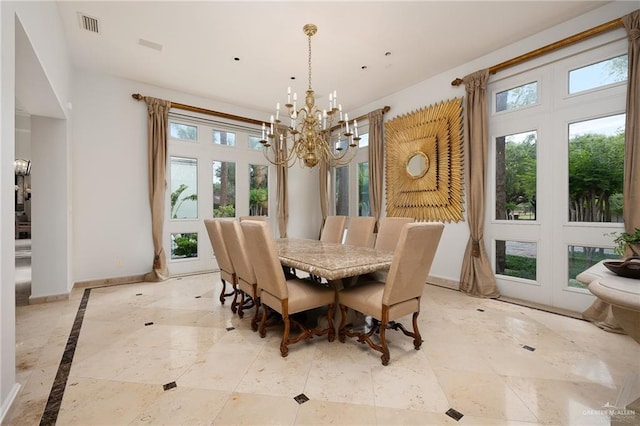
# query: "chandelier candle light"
311,136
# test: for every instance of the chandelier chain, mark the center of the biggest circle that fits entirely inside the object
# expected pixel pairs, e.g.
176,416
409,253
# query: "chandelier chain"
309,39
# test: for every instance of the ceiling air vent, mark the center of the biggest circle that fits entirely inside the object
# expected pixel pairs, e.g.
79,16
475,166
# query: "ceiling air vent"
88,23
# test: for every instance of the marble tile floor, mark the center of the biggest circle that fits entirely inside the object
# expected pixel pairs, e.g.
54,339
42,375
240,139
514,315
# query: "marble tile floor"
170,353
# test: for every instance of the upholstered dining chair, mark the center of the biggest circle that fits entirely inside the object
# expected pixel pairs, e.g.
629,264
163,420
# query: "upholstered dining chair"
389,232
333,229
285,296
360,231
400,294
258,218
227,272
246,277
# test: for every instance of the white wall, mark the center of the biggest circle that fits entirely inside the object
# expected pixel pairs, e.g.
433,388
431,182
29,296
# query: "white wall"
112,222
8,386
49,225
42,25
448,259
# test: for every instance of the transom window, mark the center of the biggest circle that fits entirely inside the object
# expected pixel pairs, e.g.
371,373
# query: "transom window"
600,74
517,97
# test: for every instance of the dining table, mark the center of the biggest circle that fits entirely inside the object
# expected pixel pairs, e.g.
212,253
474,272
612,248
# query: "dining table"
337,263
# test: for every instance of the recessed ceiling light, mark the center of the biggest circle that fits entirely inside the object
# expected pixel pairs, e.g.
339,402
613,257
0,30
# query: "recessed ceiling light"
364,67
293,78
236,59
387,53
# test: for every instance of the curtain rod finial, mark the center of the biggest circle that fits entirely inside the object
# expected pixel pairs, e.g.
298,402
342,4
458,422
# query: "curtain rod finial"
456,82
137,96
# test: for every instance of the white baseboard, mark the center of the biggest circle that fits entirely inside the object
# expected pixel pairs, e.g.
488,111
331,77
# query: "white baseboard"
444,282
34,300
7,404
109,281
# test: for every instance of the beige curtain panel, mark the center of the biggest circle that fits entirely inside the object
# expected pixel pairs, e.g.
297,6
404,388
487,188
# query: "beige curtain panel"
631,191
282,176
323,174
376,162
600,312
476,276
158,122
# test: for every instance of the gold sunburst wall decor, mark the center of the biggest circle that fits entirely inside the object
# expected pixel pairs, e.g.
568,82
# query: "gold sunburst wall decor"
423,163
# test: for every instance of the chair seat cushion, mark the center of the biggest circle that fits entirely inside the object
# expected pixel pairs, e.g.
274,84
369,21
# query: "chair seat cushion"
303,295
367,298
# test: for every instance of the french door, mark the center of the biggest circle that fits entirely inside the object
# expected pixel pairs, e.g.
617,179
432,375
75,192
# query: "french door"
555,173
216,169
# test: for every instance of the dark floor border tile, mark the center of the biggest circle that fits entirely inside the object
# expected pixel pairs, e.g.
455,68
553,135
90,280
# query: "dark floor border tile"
51,410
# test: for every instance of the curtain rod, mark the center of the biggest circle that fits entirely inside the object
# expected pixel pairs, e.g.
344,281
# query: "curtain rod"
191,108
139,97
607,26
384,109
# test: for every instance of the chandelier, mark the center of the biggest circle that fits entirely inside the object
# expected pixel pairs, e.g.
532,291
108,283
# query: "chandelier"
22,167
312,135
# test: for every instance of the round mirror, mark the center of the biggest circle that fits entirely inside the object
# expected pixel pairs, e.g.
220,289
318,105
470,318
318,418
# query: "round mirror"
417,165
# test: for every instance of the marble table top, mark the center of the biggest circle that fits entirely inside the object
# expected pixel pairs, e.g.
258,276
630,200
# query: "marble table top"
613,289
331,260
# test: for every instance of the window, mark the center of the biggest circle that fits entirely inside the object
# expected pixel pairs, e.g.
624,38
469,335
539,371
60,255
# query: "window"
364,207
184,188
516,259
224,189
183,131
184,246
517,97
258,190
516,176
596,169
556,171
600,74
364,141
254,143
350,183
224,138
580,258
342,190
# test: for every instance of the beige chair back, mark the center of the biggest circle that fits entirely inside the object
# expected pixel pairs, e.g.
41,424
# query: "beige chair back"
412,261
333,229
218,244
389,232
237,250
264,257
360,231
258,218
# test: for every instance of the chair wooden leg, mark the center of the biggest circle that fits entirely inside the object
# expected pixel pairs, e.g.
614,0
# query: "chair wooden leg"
284,350
241,304
330,326
343,319
383,343
417,340
263,322
223,292
234,304
254,320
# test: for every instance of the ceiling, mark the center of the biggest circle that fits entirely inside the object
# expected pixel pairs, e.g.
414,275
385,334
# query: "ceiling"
364,50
